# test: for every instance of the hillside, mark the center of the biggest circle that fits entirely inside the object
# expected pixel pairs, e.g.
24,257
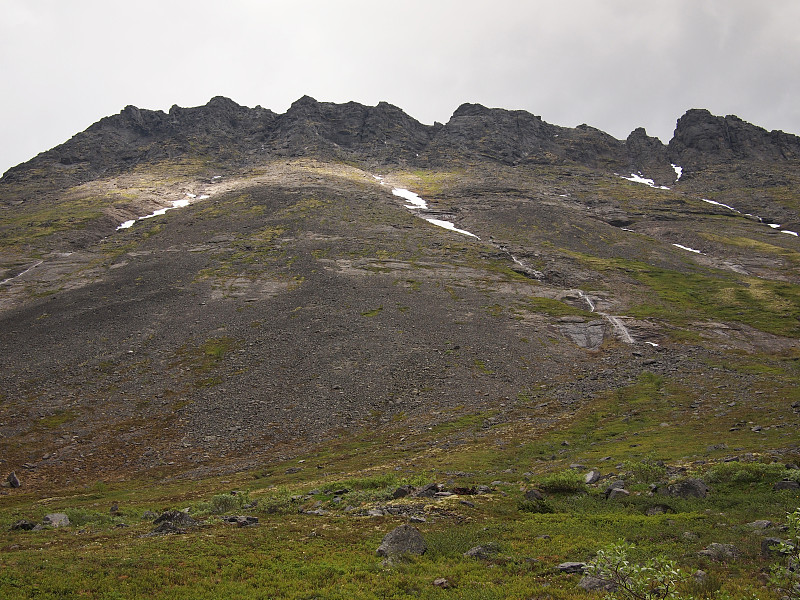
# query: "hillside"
342,296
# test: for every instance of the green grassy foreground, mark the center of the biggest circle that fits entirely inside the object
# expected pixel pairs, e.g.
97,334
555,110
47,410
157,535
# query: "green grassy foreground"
293,554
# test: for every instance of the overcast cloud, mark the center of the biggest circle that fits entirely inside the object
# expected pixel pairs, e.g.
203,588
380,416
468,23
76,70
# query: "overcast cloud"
614,64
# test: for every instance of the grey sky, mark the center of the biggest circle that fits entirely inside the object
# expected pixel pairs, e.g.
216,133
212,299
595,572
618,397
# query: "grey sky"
614,64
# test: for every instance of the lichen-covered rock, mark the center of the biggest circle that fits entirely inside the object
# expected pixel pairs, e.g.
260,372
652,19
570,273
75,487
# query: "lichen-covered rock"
404,539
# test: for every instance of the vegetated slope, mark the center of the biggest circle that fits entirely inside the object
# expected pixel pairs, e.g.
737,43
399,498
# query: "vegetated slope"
297,299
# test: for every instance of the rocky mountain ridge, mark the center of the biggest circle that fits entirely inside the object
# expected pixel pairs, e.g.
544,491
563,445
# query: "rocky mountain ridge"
385,135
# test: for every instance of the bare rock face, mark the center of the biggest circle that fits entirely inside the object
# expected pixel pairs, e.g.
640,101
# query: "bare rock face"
405,539
701,137
56,520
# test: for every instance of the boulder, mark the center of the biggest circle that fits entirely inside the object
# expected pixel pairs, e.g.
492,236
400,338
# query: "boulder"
56,520
771,547
404,539
717,551
591,477
572,567
402,491
786,484
13,480
427,491
23,525
533,495
688,488
590,584
241,520
617,493
760,524
177,518
483,552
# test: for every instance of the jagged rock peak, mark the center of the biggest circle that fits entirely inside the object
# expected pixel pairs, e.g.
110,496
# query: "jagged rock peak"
703,137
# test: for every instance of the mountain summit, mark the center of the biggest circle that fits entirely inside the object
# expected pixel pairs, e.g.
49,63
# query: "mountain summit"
216,287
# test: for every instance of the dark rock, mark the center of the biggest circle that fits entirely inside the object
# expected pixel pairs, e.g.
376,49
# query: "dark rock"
293,470
464,491
443,583
177,518
533,495
427,491
717,551
617,493
13,480
483,552
786,484
659,509
591,584
149,515
56,520
23,525
483,489
771,547
760,524
405,539
572,567
242,521
689,488
591,477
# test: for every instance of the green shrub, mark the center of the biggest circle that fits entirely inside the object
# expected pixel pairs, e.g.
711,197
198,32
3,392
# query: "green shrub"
224,503
647,470
655,579
563,482
739,472
785,576
535,506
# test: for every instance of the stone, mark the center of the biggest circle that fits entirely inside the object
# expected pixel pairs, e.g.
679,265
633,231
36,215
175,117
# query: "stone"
533,495
483,552
700,576
688,488
760,524
13,480
403,491
771,547
404,539
717,551
242,520
56,520
177,518
427,491
443,583
786,484
590,584
617,493
483,489
572,567
23,525
591,477
659,509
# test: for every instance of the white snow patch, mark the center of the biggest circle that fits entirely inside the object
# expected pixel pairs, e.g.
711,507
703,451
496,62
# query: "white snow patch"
722,205
413,199
637,178
687,248
175,204
33,266
774,225
126,224
191,195
653,344
794,233
678,173
203,197
450,226
217,177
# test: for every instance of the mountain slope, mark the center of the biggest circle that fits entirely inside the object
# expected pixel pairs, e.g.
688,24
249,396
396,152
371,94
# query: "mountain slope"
297,297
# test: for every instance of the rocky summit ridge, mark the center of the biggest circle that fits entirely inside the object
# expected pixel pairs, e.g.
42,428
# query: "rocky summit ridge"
385,135
221,287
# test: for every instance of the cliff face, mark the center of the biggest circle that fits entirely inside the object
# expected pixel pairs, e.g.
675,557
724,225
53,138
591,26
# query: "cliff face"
385,135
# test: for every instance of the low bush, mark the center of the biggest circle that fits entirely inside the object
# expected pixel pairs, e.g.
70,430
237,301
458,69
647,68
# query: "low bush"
563,482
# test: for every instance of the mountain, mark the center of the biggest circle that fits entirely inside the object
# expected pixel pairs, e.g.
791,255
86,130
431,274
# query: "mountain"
243,350
297,297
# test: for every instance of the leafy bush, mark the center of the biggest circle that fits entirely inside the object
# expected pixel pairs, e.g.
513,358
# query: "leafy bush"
785,577
224,503
655,579
647,470
750,473
535,506
563,482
